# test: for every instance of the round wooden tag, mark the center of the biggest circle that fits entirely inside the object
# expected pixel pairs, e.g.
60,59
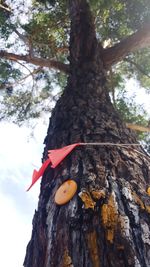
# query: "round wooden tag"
65,192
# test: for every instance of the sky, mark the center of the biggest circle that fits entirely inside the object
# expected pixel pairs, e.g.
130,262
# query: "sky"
140,96
20,153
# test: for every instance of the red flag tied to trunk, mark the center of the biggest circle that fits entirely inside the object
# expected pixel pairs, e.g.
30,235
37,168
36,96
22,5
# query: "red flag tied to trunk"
56,156
37,174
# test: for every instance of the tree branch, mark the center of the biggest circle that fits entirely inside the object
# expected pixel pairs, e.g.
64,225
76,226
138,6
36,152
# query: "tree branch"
23,37
27,39
35,71
63,49
138,67
136,41
137,127
36,61
6,8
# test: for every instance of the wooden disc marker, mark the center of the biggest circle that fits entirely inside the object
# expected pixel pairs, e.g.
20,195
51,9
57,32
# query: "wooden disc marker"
65,192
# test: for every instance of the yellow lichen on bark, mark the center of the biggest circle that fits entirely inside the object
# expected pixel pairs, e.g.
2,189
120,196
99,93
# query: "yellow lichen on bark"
148,190
93,248
66,262
140,203
89,203
147,209
138,200
109,215
98,194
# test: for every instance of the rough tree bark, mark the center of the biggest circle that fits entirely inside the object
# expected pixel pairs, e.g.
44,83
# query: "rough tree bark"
106,224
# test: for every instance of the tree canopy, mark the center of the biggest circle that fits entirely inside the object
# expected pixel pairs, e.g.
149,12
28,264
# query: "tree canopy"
34,54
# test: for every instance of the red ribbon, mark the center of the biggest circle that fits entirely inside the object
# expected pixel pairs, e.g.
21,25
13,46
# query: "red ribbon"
56,156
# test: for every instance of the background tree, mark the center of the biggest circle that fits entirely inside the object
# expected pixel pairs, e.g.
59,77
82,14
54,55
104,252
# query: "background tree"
107,222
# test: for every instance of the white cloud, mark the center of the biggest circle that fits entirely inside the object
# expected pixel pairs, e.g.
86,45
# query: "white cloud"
18,157
140,94
14,232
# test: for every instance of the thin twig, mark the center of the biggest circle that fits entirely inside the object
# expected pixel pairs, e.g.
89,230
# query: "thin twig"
108,144
137,67
119,145
5,8
30,73
24,78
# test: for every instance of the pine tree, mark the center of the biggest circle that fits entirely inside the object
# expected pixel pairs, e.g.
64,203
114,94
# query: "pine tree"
106,223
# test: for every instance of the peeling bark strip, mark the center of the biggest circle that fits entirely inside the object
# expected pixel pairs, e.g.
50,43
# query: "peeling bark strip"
35,61
107,224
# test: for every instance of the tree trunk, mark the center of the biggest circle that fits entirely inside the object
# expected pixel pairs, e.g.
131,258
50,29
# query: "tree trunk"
106,224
